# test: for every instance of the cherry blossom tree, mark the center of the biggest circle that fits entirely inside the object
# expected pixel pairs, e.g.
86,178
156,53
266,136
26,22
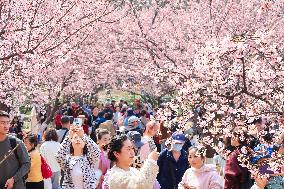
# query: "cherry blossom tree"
40,43
156,41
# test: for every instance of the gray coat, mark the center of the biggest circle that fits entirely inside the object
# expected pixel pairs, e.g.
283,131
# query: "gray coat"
13,167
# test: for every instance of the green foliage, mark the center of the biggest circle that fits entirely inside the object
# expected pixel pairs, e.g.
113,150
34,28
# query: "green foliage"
25,110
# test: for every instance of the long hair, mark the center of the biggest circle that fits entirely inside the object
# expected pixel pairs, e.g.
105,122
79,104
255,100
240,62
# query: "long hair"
85,150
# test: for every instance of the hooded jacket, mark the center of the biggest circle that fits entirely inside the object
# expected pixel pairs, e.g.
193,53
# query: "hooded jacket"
206,177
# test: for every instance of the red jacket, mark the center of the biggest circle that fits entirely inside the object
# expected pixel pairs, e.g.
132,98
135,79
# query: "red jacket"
57,120
85,128
235,175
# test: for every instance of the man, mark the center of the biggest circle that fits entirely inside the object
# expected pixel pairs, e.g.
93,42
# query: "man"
14,164
65,122
92,121
172,163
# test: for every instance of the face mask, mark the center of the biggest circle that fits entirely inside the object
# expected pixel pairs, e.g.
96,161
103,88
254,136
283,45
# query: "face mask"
177,147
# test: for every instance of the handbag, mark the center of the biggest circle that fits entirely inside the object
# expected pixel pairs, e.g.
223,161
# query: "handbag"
45,169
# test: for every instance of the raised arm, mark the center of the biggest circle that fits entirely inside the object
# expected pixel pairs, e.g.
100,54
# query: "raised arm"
63,151
145,178
93,149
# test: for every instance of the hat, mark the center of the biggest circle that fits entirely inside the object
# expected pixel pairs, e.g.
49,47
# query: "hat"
178,137
261,152
132,119
135,137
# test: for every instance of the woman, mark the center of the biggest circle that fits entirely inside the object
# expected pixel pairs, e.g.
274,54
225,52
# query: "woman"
236,176
200,175
77,156
35,179
48,150
104,162
122,176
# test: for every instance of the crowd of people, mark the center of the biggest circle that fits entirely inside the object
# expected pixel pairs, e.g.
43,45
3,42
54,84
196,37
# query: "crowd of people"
118,146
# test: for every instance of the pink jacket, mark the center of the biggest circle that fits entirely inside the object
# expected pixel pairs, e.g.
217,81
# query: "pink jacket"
103,166
206,177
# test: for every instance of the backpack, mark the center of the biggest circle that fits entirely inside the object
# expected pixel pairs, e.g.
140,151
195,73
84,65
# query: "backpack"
13,144
45,169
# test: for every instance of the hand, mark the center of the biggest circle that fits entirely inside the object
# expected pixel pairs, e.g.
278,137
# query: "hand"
188,187
76,129
71,131
80,132
191,187
261,182
10,183
154,155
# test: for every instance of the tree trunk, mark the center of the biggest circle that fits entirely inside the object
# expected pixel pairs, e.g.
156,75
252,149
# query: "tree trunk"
51,110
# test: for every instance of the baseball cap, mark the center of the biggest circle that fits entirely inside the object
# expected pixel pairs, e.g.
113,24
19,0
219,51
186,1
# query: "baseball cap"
178,137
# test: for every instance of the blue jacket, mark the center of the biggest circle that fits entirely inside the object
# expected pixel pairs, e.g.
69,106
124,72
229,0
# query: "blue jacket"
165,175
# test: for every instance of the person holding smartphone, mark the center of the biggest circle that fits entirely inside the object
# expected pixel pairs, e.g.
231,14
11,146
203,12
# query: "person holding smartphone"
122,175
77,157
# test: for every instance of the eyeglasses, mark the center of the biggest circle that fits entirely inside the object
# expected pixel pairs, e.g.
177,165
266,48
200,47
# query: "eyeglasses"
5,122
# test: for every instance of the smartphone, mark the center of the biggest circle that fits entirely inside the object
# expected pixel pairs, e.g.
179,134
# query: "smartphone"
78,122
71,118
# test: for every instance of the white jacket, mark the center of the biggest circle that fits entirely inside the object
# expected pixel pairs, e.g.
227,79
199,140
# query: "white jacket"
145,178
48,150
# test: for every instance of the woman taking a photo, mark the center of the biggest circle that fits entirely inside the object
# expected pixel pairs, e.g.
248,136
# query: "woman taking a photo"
35,179
122,176
200,175
77,156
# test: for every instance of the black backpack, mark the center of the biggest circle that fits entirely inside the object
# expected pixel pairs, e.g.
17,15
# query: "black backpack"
13,144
